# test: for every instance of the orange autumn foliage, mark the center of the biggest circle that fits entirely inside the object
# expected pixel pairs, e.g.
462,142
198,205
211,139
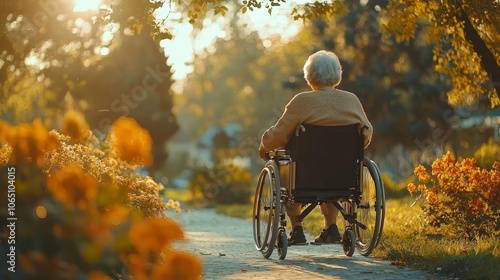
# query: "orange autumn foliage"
461,195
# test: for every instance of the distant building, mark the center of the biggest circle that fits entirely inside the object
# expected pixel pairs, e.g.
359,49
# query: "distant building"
490,120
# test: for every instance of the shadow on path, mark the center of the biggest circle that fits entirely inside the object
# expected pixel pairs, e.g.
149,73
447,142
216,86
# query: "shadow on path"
226,247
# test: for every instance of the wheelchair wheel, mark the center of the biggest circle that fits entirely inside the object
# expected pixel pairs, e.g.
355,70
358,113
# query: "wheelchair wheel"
371,210
349,242
282,244
266,210
382,213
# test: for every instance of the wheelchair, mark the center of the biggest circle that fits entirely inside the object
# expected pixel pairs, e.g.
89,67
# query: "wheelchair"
320,164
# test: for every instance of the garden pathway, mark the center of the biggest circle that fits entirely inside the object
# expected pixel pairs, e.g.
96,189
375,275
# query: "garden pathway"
226,247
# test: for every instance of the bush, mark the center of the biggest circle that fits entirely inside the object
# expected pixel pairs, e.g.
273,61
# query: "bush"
224,184
394,189
82,210
460,195
487,154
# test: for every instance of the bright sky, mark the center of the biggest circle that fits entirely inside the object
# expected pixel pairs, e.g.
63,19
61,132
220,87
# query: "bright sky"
181,49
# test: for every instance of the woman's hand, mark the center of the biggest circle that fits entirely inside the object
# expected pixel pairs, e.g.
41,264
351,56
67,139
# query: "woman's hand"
262,154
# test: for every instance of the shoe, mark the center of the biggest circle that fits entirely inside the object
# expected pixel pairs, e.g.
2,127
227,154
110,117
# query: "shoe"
329,236
297,237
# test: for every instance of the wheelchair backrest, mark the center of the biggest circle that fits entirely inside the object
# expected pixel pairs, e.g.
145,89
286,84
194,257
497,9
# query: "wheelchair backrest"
326,157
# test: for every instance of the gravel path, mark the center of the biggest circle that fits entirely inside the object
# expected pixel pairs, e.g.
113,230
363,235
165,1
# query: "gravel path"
226,247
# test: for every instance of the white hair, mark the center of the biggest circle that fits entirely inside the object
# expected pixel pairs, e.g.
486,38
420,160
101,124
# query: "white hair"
323,69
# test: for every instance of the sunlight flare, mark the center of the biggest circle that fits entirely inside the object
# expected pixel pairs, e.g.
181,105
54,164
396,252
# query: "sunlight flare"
86,5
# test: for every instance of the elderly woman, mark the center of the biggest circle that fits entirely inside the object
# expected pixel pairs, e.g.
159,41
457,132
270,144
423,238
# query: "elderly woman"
324,105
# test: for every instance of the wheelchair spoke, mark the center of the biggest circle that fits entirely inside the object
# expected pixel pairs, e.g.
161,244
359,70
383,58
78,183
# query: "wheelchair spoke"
265,218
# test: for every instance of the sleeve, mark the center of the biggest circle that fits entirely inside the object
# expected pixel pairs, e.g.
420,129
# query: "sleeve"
279,134
368,133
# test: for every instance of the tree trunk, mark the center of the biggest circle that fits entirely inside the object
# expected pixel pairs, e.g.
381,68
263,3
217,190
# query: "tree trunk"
487,59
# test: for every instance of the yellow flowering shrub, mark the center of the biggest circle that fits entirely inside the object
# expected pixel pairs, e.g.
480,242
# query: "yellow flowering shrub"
83,211
460,195
72,186
155,236
29,142
130,142
74,125
5,151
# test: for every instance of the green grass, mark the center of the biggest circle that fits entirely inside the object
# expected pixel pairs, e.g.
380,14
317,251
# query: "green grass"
243,211
177,194
186,198
406,240
409,241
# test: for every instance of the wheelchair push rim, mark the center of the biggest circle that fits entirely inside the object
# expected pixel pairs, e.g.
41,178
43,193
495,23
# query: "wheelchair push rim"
371,210
266,210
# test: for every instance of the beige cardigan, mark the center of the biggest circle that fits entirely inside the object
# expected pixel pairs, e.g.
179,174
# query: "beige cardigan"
326,107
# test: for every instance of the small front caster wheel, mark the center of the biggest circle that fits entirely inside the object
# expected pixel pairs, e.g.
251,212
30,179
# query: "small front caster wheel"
282,244
349,242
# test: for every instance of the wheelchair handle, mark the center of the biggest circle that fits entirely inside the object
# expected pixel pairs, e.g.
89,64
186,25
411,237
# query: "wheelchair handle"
299,129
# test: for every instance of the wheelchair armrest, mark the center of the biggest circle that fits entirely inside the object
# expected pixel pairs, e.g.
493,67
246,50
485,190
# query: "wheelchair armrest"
277,152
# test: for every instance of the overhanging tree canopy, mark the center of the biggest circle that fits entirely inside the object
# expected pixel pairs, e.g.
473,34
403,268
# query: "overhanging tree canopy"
53,59
465,33
467,37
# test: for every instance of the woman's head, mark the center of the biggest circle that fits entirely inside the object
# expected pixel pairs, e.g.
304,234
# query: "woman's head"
323,69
